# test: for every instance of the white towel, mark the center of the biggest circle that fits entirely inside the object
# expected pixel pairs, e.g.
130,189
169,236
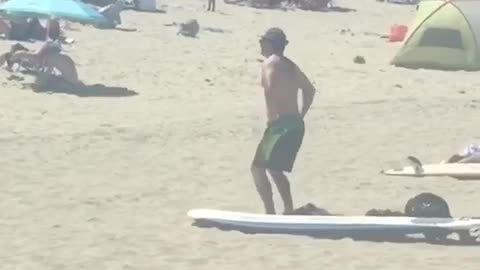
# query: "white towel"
472,151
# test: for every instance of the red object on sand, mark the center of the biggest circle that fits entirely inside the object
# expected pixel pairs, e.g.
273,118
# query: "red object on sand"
397,32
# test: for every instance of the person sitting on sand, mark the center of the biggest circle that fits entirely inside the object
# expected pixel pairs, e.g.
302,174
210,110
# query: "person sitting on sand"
53,60
48,60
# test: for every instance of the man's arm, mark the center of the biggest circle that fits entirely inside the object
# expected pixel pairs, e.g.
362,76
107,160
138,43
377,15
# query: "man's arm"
308,92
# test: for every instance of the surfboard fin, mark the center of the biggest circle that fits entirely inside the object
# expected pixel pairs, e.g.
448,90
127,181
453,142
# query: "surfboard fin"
416,164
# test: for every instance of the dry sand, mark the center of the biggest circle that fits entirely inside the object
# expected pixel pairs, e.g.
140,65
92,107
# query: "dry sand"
105,182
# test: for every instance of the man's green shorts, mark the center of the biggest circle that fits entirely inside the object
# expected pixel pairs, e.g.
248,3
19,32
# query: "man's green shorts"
280,144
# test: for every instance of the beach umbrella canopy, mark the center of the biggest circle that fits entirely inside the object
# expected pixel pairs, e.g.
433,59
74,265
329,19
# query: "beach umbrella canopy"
72,10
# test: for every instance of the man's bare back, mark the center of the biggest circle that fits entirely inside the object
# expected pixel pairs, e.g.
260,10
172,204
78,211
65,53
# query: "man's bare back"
280,87
281,80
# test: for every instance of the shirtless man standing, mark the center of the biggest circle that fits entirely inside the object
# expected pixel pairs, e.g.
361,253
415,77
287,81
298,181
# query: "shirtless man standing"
277,150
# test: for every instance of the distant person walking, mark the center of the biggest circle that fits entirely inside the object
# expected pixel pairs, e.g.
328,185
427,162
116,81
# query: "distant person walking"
211,5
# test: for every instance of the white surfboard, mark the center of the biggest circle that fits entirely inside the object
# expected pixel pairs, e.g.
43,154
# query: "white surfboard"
318,223
459,171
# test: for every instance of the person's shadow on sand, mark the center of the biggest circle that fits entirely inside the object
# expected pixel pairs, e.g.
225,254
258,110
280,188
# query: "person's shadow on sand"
407,234
326,9
121,29
125,29
337,9
149,11
96,90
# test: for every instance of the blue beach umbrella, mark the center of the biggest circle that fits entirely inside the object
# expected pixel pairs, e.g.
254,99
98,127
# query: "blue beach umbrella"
71,10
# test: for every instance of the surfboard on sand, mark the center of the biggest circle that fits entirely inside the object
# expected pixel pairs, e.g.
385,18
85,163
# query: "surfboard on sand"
459,171
357,227
259,223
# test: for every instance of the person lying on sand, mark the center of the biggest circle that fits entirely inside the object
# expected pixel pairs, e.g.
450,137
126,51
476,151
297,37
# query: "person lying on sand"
24,58
471,154
314,5
190,28
112,14
7,57
277,150
48,60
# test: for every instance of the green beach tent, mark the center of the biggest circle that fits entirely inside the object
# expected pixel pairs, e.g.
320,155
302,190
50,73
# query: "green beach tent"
445,35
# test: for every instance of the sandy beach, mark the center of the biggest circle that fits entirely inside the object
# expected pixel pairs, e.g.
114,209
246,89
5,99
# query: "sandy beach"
104,182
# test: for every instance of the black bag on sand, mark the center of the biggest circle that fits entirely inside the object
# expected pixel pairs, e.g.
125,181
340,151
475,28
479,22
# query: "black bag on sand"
422,205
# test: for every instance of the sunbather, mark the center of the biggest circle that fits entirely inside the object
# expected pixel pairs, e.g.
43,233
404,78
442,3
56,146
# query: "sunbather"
189,28
112,14
471,154
313,4
48,59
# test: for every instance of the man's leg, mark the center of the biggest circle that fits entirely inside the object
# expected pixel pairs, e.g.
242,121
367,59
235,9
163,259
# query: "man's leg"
283,186
264,188
259,173
282,160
